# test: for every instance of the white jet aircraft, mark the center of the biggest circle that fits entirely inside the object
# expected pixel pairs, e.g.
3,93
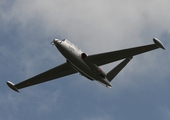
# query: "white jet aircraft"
86,65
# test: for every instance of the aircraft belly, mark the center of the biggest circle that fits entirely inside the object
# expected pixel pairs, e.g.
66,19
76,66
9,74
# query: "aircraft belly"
81,66
78,64
87,71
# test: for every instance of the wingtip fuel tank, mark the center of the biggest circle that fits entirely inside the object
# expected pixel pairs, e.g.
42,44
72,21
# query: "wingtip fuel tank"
158,43
12,86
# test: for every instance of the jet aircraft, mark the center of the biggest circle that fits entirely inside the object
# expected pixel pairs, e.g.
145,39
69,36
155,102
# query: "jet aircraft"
87,65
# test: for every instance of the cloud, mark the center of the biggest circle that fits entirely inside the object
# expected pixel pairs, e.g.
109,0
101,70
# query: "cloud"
165,111
28,27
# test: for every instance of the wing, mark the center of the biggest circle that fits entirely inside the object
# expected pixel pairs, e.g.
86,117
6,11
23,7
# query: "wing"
105,58
57,72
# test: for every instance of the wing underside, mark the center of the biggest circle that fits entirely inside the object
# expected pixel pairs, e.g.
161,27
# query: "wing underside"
105,58
57,72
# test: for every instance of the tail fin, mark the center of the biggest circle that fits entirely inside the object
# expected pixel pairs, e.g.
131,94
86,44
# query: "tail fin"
117,69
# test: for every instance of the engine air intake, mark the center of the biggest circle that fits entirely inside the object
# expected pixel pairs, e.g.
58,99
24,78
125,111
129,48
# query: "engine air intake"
84,55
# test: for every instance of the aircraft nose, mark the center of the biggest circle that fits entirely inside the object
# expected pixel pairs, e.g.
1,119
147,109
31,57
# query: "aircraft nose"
56,41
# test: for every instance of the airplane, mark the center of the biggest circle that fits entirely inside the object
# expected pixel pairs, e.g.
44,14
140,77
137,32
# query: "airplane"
87,65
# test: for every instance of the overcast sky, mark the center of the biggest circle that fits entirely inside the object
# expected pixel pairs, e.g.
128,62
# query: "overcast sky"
139,92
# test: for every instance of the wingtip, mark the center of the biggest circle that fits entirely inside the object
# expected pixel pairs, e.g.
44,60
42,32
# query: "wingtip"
12,86
158,43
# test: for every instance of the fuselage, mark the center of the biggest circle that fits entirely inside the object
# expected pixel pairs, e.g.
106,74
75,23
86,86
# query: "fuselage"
79,61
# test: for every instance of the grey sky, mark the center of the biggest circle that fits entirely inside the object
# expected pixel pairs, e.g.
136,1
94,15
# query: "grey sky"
140,91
